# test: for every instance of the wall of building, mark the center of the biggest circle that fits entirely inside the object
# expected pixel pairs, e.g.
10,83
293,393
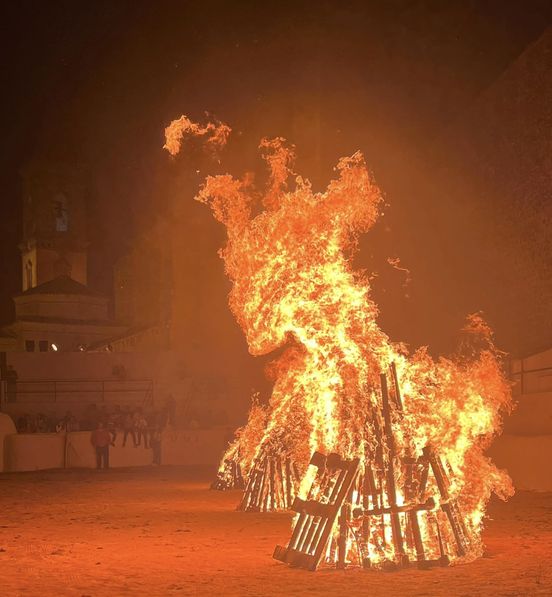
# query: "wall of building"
66,336
152,338
43,261
525,447
65,307
8,343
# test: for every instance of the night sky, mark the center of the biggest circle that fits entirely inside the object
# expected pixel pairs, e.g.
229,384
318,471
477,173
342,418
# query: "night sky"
95,83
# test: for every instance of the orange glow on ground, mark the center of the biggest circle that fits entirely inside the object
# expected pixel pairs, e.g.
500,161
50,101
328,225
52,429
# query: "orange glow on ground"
162,532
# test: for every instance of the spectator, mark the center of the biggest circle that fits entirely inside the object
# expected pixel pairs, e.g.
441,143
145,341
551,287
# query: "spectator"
155,443
101,439
72,423
22,423
141,426
31,424
154,420
128,427
51,422
41,423
61,426
118,417
112,424
68,423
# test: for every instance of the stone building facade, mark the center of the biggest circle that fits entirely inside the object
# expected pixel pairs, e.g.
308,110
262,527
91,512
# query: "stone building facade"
56,311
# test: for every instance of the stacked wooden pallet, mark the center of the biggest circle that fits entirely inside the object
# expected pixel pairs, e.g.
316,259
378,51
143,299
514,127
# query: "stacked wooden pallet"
393,511
271,485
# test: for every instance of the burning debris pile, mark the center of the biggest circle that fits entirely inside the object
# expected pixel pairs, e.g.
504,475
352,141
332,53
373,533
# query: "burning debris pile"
379,452
388,510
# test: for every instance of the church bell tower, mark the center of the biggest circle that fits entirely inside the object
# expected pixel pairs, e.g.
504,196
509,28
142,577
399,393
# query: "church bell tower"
54,239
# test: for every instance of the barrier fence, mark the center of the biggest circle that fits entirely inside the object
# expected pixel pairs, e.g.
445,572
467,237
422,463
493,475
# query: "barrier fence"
530,381
50,392
40,451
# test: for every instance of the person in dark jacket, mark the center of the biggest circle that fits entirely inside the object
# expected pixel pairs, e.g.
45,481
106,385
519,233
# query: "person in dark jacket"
101,439
129,427
155,445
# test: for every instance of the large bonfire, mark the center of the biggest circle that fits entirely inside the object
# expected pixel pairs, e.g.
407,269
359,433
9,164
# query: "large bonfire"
288,256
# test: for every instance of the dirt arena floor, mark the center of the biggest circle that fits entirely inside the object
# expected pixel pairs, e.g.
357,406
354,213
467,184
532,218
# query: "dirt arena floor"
162,532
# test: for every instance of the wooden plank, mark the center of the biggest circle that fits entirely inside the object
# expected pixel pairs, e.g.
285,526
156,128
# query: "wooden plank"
346,485
272,483
288,483
335,478
429,504
398,542
417,537
330,513
248,487
448,506
398,397
344,518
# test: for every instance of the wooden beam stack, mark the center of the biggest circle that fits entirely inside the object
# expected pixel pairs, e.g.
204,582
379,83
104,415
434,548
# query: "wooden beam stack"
271,485
394,512
311,533
230,477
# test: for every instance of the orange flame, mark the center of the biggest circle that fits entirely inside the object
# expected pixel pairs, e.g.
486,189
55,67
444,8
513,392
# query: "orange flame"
293,286
216,133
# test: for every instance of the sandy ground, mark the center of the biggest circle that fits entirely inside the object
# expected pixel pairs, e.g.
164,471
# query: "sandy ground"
162,532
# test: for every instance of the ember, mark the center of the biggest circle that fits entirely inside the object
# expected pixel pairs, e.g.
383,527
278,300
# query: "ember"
398,473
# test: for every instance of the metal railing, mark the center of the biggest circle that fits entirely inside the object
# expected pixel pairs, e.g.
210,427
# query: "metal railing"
78,391
532,381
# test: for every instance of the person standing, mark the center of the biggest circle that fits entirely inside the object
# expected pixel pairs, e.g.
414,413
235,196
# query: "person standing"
141,426
128,427
112,426
155,444
101,439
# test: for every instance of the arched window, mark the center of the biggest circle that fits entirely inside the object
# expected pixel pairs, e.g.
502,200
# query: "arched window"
28,275
60,213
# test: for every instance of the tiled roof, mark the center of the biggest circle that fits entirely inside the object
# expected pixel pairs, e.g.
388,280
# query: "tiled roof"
61,285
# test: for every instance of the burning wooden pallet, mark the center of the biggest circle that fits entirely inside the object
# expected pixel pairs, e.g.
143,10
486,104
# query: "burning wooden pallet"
393,512
271,485
318,513
229,477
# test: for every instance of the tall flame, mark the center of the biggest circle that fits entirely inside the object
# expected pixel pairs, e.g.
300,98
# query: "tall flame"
288,256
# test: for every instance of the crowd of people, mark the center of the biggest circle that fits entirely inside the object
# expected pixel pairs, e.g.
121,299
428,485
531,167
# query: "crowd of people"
39,423
135,425
114,425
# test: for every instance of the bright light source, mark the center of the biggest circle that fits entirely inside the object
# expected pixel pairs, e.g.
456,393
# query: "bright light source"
54,347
